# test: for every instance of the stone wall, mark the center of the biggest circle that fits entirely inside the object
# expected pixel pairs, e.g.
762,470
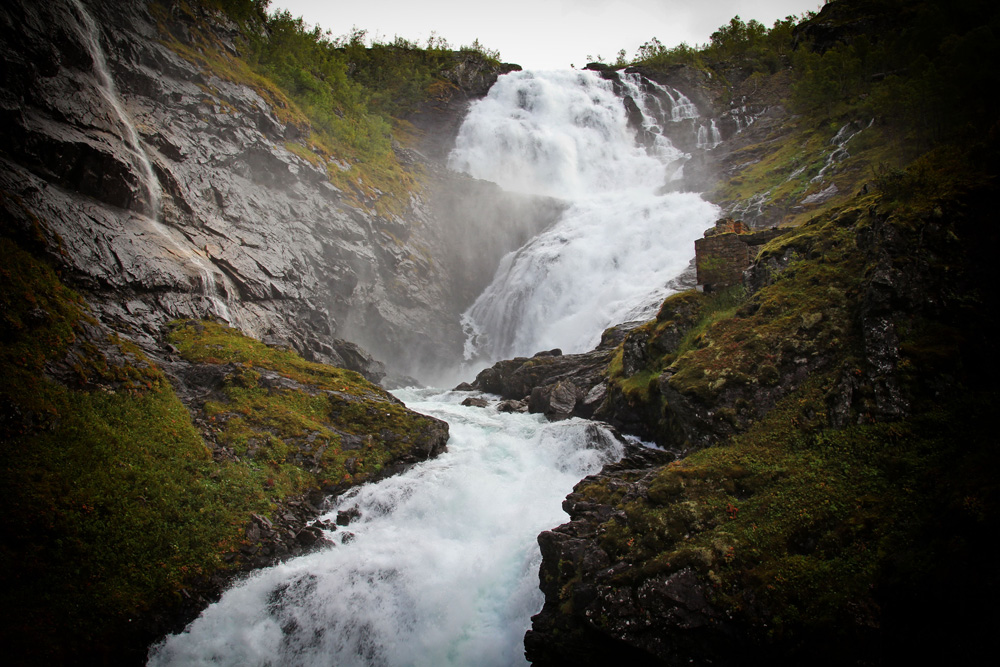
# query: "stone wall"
726,251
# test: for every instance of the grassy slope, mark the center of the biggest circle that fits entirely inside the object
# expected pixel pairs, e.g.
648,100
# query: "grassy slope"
344,101
813,535
113,502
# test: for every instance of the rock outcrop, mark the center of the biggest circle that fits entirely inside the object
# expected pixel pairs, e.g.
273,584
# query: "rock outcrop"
794,401
658,620
551,383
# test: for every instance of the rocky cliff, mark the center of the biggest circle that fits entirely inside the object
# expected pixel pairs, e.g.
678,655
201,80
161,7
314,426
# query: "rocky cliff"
161,214
836,423
828,478
184,189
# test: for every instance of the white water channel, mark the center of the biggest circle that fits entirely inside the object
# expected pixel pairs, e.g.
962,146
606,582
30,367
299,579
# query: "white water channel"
611,256
443,566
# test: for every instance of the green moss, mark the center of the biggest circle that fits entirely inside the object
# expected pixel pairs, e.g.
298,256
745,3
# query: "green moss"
789,507
803,313
112,501
800,529
215,343
336,424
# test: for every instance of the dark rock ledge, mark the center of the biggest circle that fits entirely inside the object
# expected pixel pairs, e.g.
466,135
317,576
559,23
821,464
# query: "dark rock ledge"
552,383
598,611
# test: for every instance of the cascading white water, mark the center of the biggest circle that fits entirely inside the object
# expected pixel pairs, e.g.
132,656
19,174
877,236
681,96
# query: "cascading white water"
613,252
709,136
90,35
443,566
839,153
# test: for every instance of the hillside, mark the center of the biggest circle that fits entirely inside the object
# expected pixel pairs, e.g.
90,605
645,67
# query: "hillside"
162,201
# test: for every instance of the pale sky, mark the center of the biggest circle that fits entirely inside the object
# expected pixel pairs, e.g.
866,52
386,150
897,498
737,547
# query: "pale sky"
542,34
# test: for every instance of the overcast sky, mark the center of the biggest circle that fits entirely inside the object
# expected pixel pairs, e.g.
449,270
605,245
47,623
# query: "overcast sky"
542,34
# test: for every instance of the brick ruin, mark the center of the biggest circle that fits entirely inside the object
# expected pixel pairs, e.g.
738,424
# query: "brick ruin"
726,251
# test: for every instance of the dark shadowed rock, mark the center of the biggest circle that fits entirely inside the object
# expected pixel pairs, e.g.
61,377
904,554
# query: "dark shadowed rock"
555,384
511,405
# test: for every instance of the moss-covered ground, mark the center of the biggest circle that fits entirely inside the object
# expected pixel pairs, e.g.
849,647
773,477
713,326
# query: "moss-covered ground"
327,427
731,351
114,500
816,534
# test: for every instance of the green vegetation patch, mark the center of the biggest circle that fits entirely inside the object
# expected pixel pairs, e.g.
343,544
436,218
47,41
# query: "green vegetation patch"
816,538
114,504
796,525
285,415
724,349
802,315
345,97
215,343
112,501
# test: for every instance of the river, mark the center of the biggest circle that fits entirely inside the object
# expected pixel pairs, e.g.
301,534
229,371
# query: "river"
441,568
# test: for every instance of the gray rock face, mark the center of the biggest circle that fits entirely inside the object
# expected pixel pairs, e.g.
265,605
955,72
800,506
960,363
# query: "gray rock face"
168,192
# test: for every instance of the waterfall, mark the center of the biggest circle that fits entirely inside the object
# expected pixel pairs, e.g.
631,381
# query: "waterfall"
90,34
442,568
709,136
839,153
611,255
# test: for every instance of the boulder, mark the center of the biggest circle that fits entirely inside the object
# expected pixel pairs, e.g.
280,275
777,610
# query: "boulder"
475,402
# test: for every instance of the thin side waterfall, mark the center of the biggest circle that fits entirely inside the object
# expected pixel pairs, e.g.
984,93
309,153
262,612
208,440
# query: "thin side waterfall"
613,253
840,141
709,136
90,35
441,567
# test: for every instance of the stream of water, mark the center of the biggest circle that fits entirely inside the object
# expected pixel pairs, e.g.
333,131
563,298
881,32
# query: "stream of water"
216,299
442,568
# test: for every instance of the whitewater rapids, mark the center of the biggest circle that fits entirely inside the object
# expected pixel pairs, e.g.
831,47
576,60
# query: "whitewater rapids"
442,568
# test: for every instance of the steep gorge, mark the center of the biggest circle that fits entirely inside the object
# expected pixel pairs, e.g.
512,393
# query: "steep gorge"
151,179
834,411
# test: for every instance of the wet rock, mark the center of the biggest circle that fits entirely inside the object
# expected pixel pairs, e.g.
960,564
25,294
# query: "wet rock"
556,401
593,615
475,402
634,356
550,382
511,405
311,537
206,211
345,517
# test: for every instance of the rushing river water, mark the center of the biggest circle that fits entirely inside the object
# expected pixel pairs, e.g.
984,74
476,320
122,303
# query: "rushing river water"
442,568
